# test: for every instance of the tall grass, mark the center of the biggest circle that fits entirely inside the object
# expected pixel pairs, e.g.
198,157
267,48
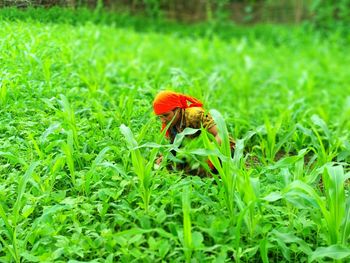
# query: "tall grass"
187,232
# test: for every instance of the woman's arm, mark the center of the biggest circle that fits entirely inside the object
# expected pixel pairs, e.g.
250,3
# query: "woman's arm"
214,130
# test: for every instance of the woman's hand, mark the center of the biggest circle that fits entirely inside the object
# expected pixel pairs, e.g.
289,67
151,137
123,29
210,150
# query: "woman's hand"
159,160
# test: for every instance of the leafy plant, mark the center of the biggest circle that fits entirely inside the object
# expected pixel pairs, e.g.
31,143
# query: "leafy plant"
334,208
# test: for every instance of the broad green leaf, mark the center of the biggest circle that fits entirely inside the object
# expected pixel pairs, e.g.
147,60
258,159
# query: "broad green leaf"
272,197
197,239
335,252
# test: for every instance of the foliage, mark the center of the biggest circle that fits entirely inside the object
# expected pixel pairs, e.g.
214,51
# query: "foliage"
324,15
78,140
331,15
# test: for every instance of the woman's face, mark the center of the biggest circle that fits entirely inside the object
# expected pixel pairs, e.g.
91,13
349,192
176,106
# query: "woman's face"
166,117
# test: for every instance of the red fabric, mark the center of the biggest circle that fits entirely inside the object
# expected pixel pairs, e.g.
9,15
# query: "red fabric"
167,132
166,101
210,164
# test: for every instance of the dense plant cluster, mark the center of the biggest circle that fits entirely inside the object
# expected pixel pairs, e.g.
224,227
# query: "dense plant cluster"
78,140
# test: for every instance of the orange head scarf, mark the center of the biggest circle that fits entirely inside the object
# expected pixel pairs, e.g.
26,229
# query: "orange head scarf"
168,100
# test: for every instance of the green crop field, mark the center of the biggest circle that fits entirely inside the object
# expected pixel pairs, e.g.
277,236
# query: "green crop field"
78,140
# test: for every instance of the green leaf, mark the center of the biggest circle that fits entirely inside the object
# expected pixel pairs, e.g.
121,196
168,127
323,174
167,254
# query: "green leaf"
21,189
334,252
286,237
197,240
164,247
321,123
29,257
180,136
27,210
14,159
128,136
264,250
272,197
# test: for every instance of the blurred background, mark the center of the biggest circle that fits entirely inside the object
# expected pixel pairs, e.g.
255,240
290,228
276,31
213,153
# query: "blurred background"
322,13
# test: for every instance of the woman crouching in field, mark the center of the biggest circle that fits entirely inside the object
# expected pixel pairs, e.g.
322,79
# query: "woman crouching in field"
184,112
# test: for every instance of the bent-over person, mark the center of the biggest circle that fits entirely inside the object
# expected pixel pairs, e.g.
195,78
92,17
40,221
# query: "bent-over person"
184,111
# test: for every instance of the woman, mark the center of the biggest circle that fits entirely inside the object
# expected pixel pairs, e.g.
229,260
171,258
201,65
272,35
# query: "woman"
183,111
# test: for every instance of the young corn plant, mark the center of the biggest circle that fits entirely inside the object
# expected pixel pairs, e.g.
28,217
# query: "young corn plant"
142,167
328,150
325,144
270,144
240,190
126,107
246,198
68,117
334,207
68,150
293,167
223,165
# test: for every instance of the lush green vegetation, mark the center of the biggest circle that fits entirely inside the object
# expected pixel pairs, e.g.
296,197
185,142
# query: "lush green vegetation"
78,140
